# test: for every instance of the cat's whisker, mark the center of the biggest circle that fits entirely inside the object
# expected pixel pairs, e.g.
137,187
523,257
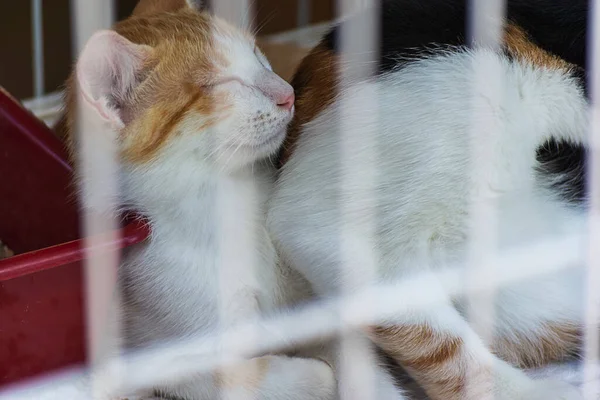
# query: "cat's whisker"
271,159
224,151
255,13
265,22
232,154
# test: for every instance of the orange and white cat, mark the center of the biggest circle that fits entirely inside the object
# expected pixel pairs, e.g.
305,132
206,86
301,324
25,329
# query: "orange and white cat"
195,110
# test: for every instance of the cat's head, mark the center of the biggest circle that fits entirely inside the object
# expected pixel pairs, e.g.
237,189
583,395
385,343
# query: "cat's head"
175,83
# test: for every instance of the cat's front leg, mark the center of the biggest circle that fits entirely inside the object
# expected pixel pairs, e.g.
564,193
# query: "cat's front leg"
447,358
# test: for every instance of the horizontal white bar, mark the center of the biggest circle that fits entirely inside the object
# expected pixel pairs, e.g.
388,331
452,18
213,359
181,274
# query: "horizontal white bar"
202,354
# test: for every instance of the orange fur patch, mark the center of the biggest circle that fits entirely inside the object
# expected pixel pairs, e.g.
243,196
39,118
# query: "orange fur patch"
159,124
555,342
430,357
520,46
434,360
315,84
174,82
417,346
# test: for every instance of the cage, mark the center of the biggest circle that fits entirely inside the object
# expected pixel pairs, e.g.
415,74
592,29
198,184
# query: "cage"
51,290
41,288
42,312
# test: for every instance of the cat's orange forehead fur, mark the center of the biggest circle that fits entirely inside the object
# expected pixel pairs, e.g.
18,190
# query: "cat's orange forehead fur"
184,59
188,59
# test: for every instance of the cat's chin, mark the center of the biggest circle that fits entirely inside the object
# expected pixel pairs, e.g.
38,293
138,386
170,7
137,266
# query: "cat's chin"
268,146
247,154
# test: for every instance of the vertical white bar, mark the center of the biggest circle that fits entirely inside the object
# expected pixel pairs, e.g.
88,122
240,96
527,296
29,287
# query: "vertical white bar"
89,16
236,12
358,169
237,268
303,18
591,345
486,24
96,164
37,28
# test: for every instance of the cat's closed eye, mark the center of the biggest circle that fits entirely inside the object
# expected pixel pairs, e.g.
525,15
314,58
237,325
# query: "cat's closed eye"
218,81
261,58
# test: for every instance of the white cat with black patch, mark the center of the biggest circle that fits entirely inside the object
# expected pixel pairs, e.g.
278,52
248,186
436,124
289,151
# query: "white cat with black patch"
417,194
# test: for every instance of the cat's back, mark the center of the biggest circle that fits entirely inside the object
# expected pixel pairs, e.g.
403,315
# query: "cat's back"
396,151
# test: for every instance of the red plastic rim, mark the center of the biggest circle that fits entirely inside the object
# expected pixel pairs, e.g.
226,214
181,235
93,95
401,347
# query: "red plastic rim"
65,253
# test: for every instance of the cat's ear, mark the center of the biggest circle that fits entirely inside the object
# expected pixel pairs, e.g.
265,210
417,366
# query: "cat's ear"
148,7
107,71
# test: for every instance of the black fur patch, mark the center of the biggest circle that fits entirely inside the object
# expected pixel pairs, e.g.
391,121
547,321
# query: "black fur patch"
561,165
557,26
407,28
410,28
560,27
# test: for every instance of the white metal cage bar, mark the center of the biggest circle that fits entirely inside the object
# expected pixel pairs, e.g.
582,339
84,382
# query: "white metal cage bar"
303,18
38,48
358,163
592,321
177,361
98,188
485,29
239,268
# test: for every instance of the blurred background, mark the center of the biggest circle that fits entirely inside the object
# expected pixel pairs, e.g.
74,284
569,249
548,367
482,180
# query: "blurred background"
289,23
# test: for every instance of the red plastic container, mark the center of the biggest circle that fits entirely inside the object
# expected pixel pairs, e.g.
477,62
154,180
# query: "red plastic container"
41,288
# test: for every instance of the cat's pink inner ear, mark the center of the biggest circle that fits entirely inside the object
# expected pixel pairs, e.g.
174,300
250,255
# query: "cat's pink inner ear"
107,70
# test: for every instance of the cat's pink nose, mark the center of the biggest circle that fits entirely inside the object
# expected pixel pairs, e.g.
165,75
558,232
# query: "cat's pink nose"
275,88
287,102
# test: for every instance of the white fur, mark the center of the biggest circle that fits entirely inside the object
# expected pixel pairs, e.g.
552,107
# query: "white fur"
424,187
209,262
